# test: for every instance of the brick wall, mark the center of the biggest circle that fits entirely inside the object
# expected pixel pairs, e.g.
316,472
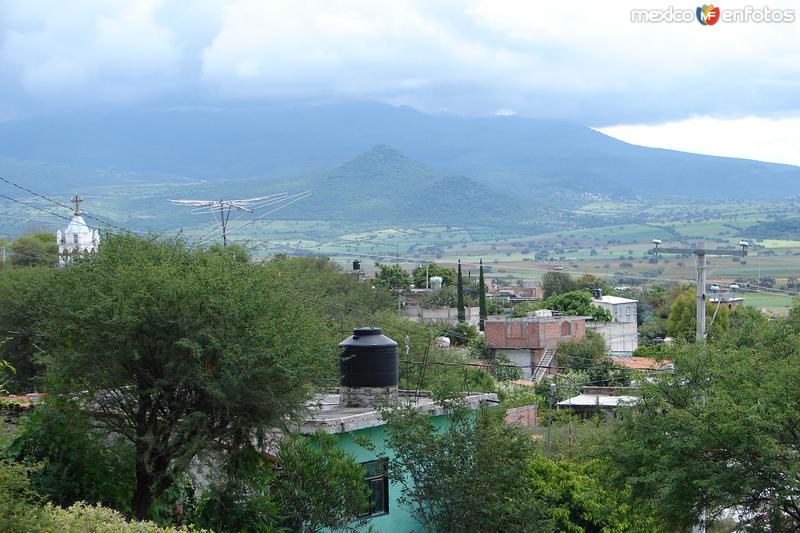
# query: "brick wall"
533,333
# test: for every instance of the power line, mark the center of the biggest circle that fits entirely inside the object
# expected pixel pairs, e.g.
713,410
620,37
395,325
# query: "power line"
56,202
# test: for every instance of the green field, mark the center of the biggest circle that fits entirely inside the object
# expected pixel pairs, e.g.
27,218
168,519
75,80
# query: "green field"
614,242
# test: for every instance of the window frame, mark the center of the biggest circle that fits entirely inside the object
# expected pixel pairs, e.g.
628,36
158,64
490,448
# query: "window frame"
383,477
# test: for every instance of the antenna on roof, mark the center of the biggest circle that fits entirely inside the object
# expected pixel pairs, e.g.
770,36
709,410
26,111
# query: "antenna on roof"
223,208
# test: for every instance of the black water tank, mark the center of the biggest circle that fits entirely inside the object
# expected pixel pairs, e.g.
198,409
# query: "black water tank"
356,265
368,359
597,293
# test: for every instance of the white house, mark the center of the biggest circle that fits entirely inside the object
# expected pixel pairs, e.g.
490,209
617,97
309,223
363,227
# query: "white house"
621,309
622,333
77,238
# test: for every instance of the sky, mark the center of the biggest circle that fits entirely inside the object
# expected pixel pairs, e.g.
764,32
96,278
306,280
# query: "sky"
728,89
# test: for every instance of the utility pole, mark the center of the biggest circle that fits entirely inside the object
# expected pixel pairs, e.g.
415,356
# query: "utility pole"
550,414
700,253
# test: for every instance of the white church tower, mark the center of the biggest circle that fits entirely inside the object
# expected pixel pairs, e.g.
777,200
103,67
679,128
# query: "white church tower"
77,238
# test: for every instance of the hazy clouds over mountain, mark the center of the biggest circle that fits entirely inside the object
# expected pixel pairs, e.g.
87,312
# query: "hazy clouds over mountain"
572,61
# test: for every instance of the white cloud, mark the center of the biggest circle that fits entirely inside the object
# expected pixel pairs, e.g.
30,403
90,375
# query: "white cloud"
118,52
764,139
582,60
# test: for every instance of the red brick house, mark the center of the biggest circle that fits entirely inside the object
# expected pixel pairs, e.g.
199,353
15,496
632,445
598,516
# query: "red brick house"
531,342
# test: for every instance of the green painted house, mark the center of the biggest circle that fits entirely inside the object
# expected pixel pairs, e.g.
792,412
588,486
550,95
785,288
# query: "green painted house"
350,424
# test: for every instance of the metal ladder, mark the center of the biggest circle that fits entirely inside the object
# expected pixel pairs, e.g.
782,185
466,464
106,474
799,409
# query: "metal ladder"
547,358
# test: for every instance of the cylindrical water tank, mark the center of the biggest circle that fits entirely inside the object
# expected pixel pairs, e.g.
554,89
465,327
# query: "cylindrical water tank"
368,359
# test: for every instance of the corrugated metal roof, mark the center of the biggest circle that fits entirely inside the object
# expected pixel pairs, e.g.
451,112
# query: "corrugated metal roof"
591,400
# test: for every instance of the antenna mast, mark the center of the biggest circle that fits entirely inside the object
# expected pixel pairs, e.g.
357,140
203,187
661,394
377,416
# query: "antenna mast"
223,208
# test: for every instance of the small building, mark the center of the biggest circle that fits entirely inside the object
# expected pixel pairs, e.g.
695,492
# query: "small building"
620,309
622,333
78,238
531,342
602,400
621,337
444,315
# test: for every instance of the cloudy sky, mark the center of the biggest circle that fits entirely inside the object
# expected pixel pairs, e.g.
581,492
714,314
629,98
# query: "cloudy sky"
728,89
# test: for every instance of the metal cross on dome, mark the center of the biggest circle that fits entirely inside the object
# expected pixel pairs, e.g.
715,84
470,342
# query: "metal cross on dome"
77,201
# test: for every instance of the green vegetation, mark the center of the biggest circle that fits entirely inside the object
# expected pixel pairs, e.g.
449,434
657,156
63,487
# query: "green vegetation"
528,492
393,277
423,273
721,431
192,356
575,303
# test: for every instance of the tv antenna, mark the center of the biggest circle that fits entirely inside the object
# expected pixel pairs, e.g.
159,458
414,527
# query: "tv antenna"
221,209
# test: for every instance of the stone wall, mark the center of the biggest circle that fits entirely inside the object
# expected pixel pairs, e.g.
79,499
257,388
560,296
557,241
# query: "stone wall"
367,396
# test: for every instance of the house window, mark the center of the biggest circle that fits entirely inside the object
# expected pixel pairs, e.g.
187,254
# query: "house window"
75,238
566,329
628,311
377,480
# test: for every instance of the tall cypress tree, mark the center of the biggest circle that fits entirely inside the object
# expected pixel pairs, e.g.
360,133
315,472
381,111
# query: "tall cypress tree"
482,299
462,314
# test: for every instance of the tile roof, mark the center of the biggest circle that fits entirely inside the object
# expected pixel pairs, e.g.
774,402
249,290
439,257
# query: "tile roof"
638,363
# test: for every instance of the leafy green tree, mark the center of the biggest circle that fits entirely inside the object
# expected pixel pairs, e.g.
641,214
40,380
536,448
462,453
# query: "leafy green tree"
393,277
682,320
579,499
319,486
577,303
20,505
444,473
589,282
23,303
423,273
446,297
312,485
589,354
181,352
460,334
462,314
504,370
554,283
39,249
720,432
76,461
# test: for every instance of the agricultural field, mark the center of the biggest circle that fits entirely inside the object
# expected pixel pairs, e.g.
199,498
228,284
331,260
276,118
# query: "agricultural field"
610,239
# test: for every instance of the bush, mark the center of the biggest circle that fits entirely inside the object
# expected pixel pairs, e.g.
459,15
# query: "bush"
504,370
76,461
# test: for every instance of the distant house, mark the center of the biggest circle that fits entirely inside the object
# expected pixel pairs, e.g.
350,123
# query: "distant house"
622,333
445,315
531,342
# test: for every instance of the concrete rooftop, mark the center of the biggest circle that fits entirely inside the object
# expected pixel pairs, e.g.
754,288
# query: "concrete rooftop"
325,413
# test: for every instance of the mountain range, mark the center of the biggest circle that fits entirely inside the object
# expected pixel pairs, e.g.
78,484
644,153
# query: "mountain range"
366,160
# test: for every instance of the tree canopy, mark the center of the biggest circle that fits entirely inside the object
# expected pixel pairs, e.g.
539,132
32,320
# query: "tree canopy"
182,351
392,277
38,249
423,273
682,320
721,432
